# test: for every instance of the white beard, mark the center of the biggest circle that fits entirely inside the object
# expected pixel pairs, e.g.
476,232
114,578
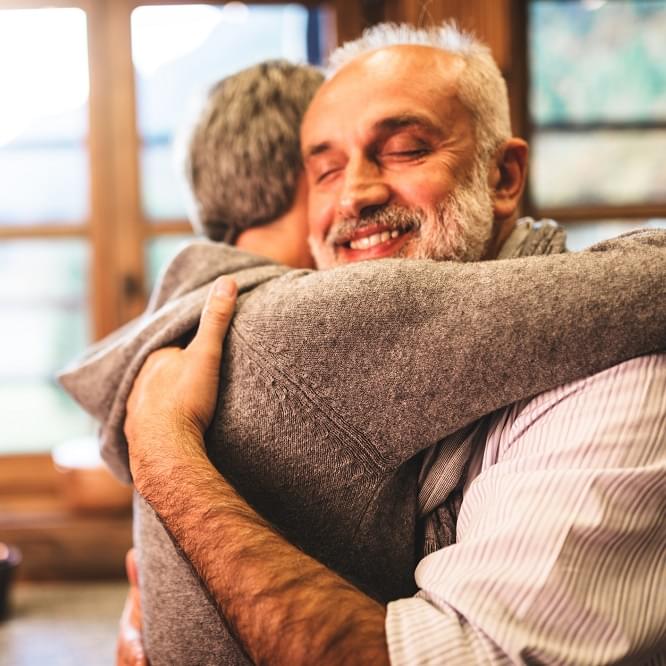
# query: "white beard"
459,228
463,224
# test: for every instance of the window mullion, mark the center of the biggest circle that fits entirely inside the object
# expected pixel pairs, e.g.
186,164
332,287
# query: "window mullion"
128,225
116,224
103,294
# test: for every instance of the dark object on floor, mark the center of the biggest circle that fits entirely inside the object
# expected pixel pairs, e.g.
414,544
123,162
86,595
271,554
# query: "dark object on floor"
10,558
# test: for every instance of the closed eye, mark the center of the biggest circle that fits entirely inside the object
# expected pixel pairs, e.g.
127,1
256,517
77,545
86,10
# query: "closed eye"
402,146
417,152
320,168
325,175
404,155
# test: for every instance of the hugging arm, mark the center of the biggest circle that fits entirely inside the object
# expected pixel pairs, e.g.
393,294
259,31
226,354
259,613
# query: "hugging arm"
241,558
559,551
411,351
291,610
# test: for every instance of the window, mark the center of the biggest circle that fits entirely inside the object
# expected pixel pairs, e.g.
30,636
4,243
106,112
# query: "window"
91,203
598,114
45,181
178,52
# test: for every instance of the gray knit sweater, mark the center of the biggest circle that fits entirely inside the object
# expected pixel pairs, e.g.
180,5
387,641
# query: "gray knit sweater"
335,381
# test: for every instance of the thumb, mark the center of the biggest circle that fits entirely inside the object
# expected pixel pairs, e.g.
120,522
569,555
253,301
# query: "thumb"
131,568
215,319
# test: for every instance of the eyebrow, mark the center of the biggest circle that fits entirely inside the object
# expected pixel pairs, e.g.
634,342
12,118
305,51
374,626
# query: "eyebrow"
316,150
404,121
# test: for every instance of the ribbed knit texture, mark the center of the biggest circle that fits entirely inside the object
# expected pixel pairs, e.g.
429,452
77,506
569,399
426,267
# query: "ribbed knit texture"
334,381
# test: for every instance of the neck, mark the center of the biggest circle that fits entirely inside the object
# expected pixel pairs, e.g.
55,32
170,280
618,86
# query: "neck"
283,240
266,240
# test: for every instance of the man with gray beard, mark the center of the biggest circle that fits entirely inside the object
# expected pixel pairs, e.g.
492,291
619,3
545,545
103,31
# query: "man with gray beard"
461,228
460,231
321,424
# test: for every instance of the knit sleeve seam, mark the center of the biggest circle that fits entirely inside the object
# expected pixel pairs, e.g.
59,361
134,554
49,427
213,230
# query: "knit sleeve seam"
279,377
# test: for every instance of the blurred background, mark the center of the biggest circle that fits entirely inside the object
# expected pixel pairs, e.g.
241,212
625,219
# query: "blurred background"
92,93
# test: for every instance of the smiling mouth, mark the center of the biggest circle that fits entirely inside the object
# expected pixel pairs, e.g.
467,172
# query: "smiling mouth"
373,237
366,242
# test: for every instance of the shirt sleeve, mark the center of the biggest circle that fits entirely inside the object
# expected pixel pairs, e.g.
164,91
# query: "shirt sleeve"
561,537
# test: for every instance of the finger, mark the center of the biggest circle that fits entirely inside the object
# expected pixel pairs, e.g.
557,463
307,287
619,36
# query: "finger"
129,645
134,596
131,568
129,652
215,319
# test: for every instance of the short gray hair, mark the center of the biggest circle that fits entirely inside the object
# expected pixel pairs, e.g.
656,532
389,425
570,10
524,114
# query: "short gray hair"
243,157
481,88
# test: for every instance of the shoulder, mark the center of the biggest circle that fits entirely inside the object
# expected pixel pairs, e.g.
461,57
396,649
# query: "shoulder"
356,292
612,417
197,264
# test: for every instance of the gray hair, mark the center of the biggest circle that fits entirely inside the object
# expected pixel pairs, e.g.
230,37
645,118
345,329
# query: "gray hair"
481,88
243,156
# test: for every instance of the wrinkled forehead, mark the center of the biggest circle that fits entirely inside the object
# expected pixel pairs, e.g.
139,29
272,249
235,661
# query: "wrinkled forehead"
414,77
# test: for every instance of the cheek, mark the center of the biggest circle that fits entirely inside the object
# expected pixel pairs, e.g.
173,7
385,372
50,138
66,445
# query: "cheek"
321,210
302,255
424,191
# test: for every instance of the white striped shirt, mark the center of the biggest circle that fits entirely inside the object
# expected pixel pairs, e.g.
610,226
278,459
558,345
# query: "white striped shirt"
560,555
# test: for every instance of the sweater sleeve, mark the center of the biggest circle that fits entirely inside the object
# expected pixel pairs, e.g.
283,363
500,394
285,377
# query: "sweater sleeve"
409,351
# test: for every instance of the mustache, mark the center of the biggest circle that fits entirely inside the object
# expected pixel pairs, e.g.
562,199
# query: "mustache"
393,218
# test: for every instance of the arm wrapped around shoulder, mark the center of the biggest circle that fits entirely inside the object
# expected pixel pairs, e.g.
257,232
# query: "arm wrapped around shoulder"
413,350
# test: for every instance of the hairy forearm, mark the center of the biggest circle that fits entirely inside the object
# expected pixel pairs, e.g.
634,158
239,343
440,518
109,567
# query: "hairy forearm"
284,606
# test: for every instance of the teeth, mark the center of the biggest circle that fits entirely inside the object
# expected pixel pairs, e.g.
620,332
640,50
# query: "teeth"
370,241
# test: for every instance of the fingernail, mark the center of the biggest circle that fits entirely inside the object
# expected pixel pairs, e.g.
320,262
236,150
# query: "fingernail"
225,287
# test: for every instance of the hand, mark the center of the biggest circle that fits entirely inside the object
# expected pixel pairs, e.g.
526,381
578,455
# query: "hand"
129,647
174,396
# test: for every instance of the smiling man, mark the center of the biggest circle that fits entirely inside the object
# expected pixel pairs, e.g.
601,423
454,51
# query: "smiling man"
335,382
410,160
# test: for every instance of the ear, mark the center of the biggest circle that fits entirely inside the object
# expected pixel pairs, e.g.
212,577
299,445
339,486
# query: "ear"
507,178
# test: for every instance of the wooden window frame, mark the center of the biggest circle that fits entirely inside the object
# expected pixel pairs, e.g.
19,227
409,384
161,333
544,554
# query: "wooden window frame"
117,227
57,543
575,212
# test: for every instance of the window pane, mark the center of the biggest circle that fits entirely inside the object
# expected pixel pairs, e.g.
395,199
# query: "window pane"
161,185
43,185
179,51
601,167
159,252
45,325
583,234
43,116
597,61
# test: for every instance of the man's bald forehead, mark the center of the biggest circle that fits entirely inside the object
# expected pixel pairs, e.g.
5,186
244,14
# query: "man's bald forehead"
404,65
397,55
399,60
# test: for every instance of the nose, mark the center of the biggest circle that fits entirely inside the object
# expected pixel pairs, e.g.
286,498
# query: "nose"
363,187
